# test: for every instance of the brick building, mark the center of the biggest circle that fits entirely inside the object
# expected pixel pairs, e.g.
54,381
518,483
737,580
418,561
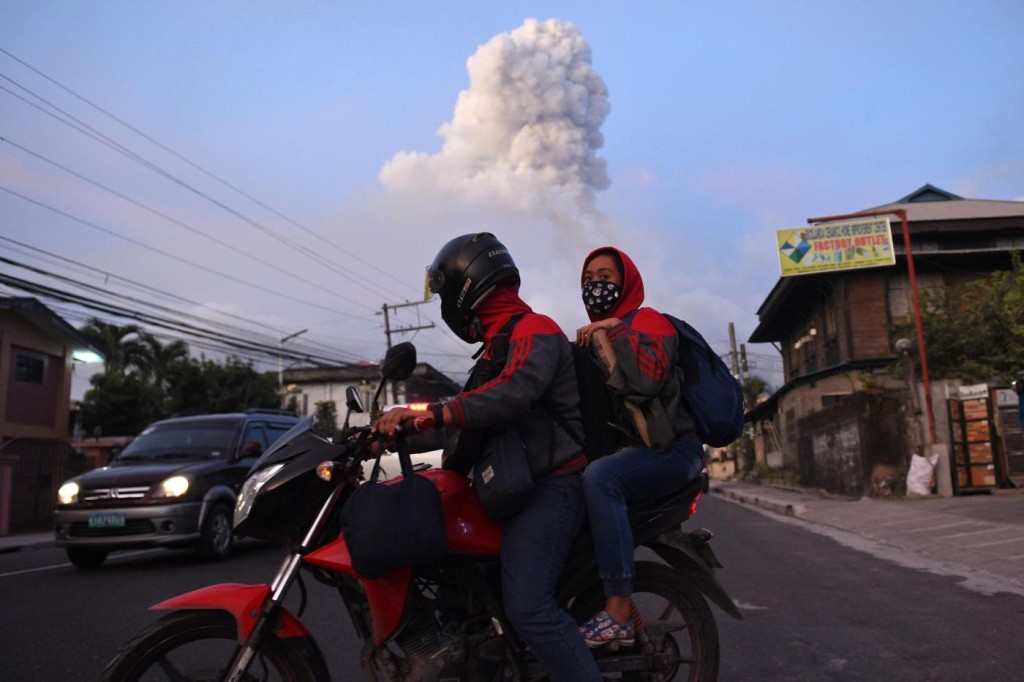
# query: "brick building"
838,422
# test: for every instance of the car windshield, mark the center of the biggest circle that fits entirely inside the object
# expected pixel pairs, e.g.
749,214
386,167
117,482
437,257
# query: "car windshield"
186,439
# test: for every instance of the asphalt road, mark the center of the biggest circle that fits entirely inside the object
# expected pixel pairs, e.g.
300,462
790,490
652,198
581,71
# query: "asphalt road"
814,609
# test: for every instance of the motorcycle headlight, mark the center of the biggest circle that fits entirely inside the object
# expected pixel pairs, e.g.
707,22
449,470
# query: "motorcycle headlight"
250,489
68,493
175,486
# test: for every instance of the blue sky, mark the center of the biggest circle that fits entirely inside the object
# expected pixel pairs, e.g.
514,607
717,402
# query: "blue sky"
724,122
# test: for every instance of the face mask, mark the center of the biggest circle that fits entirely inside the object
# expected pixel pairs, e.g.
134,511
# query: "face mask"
600,297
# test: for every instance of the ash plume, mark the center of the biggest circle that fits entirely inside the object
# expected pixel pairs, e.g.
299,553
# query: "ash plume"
524,135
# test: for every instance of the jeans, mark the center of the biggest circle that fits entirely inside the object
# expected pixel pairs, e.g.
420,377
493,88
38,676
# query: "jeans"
534,547
633,473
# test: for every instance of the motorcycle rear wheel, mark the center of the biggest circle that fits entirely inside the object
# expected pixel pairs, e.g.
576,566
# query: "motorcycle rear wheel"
679,628
197,646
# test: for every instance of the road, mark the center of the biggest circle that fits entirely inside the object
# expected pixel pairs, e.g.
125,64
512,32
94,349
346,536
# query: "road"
814,609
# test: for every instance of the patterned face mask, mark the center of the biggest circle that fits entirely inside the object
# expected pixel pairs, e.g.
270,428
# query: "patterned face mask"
600,297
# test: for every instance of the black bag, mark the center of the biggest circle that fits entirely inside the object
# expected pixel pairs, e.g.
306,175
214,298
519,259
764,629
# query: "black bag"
388,526
501,475
598,411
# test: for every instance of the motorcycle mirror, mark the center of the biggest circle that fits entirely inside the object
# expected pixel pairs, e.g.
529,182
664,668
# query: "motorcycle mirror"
352,400
399,362
354,404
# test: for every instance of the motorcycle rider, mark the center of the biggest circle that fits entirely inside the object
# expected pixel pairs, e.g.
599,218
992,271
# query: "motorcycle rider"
478,283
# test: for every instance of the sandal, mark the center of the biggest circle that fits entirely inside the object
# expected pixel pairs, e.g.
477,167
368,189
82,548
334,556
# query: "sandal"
603,629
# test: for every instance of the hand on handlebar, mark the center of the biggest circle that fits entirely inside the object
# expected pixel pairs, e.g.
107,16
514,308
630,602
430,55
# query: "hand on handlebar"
402,420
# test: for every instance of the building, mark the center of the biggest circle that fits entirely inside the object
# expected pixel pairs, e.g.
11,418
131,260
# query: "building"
844,420
37,350
308,386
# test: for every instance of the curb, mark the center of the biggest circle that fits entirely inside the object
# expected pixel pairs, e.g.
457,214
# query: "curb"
783,508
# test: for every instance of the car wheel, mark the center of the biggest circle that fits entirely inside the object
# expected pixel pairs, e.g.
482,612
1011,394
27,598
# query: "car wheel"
217,536
87,557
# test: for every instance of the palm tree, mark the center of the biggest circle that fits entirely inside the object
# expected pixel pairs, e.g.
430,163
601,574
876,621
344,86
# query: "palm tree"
157,359
119,350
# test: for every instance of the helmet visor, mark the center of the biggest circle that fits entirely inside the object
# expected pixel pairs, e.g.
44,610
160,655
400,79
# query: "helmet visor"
435,280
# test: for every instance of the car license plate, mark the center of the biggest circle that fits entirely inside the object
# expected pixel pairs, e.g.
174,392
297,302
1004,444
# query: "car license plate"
110,520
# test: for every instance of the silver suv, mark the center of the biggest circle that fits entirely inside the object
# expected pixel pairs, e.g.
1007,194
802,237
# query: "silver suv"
173,486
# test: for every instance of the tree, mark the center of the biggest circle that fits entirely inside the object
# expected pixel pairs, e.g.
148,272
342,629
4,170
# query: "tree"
752,389
145,380
326,420
975,332
119,404
204,386
120,350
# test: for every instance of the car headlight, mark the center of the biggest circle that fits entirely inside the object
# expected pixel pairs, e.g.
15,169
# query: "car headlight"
175,486
250,489
68,493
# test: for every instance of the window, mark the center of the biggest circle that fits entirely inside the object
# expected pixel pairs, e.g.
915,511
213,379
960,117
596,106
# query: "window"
901,299
29,368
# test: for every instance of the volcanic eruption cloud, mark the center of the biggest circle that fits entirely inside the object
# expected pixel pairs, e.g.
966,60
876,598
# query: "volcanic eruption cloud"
524,135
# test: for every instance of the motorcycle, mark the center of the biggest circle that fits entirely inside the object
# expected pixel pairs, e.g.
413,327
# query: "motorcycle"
445,623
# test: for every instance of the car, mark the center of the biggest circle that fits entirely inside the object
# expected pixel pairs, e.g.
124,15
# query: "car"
173,486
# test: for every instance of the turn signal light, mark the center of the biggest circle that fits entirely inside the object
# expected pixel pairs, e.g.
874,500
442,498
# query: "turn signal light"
325,470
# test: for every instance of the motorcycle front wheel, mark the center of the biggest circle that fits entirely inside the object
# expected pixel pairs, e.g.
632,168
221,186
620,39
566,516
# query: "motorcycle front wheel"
678,638
197,646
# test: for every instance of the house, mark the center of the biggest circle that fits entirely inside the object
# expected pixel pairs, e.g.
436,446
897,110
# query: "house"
845,419
305,387
37,351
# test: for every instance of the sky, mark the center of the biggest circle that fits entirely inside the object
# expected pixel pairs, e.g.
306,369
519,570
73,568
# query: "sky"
265,168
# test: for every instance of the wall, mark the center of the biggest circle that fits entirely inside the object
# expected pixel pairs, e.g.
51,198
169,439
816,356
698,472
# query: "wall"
16,331
868,316
841,447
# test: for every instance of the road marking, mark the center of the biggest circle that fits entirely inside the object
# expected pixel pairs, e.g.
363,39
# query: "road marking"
65,565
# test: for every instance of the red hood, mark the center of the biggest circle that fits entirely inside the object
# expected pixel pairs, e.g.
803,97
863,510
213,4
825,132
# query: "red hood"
632,286
498,308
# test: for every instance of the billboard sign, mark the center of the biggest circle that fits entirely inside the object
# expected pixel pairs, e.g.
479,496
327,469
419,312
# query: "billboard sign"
835,246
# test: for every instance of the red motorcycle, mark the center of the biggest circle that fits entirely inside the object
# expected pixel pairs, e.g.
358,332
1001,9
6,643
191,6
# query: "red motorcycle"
446,623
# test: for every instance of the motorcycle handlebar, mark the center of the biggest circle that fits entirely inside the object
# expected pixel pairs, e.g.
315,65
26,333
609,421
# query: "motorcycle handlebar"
414,426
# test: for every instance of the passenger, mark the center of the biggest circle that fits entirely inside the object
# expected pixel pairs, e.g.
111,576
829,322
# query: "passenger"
478,283
645,375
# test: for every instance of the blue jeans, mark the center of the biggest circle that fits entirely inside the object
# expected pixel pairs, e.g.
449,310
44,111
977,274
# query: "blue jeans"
534,547
633,473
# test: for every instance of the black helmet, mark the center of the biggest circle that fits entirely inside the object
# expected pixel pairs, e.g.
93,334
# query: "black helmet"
465,270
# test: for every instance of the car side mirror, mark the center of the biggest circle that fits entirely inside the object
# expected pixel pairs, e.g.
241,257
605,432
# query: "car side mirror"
250,448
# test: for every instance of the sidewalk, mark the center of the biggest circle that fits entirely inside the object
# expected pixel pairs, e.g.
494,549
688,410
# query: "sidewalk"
978,537
19,541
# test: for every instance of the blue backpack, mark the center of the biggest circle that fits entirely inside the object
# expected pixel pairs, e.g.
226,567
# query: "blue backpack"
710,391
709,388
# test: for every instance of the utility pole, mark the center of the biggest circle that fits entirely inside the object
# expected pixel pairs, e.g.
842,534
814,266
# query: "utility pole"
734,361
280,352
388,331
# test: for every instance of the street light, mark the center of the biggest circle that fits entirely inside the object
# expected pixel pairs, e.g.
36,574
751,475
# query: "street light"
280,352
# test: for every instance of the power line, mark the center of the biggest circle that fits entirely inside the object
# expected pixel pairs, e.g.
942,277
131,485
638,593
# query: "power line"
164,323
96,135
175,221
200,168
165,253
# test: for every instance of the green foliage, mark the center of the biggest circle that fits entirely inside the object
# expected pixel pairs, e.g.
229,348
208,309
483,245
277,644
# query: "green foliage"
145,380
325,421
975,332
119,404
752,388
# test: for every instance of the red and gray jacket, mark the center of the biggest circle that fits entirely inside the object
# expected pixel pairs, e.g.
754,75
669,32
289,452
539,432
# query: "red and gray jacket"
536,382
646,346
